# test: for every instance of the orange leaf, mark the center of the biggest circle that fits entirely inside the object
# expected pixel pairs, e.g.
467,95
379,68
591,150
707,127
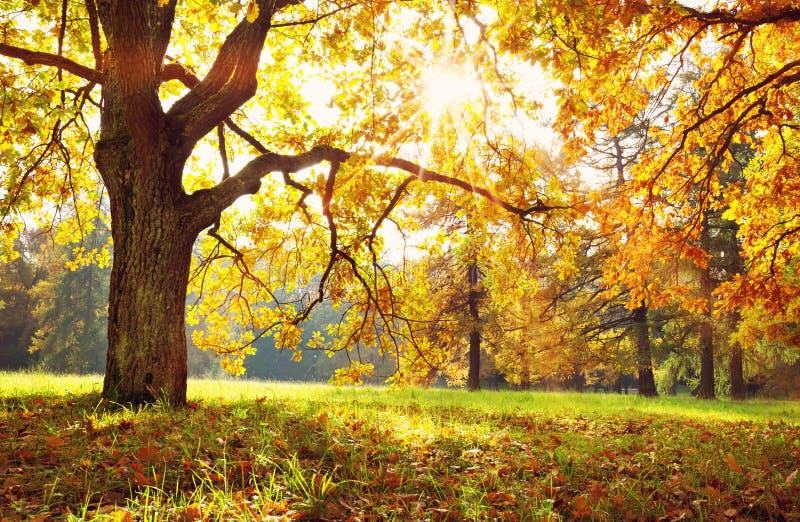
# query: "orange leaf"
732,463
581,507
148,454
54,442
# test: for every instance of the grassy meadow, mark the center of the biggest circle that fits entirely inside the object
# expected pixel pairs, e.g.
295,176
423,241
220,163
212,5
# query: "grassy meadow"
247,450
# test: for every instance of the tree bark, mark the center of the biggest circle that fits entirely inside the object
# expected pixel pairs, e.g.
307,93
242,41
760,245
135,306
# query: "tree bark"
474,376
705,390
738,388
140,155
146,334
644,357
153,231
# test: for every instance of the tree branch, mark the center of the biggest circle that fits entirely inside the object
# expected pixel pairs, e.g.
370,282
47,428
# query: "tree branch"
730,17
232,78
94,29
138,36
317,19
423,174
776,79
52,60
206,204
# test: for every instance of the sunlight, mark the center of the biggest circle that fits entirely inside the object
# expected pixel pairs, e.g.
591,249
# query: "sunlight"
447,88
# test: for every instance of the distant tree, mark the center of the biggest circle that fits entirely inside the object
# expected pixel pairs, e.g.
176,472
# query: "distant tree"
310,361
613,308
71,308
17,278
614,59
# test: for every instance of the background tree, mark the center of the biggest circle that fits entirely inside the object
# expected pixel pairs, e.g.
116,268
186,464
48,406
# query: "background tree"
613,59
70,311
17,278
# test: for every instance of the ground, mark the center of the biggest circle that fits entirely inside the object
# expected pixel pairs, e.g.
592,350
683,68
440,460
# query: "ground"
248,450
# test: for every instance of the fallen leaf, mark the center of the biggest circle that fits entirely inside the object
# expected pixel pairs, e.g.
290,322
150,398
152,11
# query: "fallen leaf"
54,442
732,463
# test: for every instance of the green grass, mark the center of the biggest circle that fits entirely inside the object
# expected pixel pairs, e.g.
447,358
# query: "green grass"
247,450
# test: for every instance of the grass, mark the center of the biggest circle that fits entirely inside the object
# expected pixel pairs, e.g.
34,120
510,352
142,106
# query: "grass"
247,450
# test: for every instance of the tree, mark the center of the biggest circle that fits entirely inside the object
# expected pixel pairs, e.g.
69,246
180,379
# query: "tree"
456,288
474,294
639,323
70,310
155,113
18,278
614,57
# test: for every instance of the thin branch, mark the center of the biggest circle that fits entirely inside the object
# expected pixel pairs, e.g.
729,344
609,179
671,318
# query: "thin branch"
424,174
94,29
313,21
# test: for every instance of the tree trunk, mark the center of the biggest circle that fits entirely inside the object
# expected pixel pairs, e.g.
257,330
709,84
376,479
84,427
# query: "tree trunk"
153,227
140,155
474,376
644,357
705,390
738,388
146,334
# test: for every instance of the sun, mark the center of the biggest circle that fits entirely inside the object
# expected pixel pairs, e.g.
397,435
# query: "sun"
447,88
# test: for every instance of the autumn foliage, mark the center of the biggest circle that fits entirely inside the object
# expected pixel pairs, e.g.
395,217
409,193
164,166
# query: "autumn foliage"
324,123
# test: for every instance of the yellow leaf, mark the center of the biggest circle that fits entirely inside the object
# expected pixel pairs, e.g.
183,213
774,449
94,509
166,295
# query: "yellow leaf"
162,3
679,9
252,11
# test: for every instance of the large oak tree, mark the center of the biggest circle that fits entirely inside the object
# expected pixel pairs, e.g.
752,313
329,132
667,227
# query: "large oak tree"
129,68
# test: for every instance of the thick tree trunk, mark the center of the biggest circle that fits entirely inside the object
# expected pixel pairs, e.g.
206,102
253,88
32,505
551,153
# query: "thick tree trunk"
140,154
146,334
644,357
153,227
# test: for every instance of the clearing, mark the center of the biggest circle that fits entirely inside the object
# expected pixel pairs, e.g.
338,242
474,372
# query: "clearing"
247,450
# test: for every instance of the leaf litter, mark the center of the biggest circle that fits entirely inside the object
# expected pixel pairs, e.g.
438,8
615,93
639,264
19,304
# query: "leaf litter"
274,459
